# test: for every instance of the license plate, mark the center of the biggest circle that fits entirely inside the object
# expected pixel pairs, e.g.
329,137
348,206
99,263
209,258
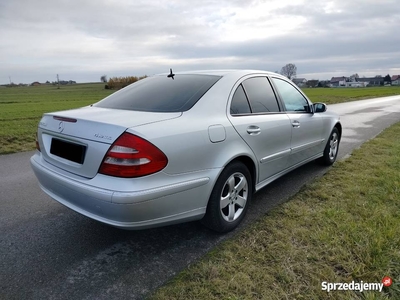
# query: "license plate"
67,150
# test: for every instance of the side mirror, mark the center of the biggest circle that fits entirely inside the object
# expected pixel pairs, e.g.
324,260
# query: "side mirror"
319,107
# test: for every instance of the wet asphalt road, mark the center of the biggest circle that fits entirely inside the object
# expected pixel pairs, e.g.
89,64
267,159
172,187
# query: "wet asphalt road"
50,252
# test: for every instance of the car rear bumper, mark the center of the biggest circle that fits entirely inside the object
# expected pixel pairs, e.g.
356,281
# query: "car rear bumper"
178,201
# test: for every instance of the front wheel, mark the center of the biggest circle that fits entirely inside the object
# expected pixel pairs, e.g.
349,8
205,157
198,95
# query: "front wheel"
331,148
229,199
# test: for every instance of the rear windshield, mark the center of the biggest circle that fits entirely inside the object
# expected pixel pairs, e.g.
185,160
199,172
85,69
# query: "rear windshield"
161,94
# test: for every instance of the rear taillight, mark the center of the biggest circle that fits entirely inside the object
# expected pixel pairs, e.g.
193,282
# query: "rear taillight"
37,142
131,156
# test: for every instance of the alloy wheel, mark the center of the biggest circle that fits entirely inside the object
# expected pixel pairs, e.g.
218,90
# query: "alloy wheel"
234,197
333,145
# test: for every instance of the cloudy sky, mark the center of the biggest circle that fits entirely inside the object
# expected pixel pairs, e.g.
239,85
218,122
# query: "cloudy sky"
82,40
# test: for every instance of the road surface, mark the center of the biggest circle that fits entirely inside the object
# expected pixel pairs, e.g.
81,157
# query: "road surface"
50,252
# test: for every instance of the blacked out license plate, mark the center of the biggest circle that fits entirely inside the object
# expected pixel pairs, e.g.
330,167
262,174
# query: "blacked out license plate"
67,150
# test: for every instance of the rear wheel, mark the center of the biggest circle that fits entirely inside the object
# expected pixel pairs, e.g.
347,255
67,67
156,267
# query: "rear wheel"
331,148
229,199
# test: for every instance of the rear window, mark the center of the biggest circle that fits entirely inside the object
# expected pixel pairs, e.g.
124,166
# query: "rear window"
161,94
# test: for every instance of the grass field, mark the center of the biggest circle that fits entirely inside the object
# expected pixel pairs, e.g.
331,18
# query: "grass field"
338,95
22,107
343,227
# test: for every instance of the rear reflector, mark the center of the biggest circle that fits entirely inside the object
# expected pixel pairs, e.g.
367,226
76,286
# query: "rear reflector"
131,156
37,142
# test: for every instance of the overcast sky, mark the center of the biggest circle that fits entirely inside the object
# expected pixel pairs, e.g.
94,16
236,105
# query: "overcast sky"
82,40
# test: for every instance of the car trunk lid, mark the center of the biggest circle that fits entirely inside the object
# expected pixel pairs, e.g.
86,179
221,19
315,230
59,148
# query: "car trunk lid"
77,140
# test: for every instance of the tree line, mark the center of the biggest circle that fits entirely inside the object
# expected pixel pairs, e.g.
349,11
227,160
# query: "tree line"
116,83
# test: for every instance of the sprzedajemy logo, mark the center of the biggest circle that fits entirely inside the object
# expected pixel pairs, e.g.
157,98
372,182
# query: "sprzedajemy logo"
357,286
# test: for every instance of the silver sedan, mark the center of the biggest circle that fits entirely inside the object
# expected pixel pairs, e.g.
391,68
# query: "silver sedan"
180,147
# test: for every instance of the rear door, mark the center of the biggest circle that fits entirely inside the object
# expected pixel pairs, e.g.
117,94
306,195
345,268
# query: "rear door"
306,126
257,117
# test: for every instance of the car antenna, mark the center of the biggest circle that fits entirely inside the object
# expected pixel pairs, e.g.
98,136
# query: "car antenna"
171,75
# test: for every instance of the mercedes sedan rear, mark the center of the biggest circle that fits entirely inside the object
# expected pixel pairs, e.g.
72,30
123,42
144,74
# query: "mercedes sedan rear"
179,147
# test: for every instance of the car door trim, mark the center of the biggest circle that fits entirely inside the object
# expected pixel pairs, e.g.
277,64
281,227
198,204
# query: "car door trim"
306,146
275,156
267,181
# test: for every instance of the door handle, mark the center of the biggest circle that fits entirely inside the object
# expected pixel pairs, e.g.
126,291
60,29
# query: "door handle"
253,130
296,124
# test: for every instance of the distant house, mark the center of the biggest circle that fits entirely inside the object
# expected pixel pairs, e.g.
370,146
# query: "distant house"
36,83
395,80
339,81
300,82
372,81
356,84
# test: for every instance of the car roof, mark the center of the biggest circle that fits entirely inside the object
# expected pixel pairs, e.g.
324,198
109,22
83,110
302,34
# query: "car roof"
219,72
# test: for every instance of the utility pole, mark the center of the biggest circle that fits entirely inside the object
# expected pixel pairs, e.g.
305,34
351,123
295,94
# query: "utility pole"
58,82
9,77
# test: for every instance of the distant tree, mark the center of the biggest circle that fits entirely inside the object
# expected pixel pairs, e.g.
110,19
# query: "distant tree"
354,77
312,83
324,83
103,78
387,78
121,82
378,76
290,71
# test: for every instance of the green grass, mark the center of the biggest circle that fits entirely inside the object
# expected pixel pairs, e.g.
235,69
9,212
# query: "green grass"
343,227
339,95
22,107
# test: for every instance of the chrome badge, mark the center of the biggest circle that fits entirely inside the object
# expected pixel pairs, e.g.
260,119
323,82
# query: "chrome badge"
61,127
101,136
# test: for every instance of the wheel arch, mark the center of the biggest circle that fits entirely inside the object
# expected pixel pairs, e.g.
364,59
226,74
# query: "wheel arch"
339,128
251,166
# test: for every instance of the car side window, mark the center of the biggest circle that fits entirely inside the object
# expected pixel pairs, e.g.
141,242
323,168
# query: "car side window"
239,104
291,97
261,96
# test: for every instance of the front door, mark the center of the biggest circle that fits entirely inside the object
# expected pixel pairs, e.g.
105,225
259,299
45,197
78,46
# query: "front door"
306,126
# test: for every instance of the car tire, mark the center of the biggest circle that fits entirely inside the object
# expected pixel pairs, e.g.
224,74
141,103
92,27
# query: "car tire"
229,198
331,149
